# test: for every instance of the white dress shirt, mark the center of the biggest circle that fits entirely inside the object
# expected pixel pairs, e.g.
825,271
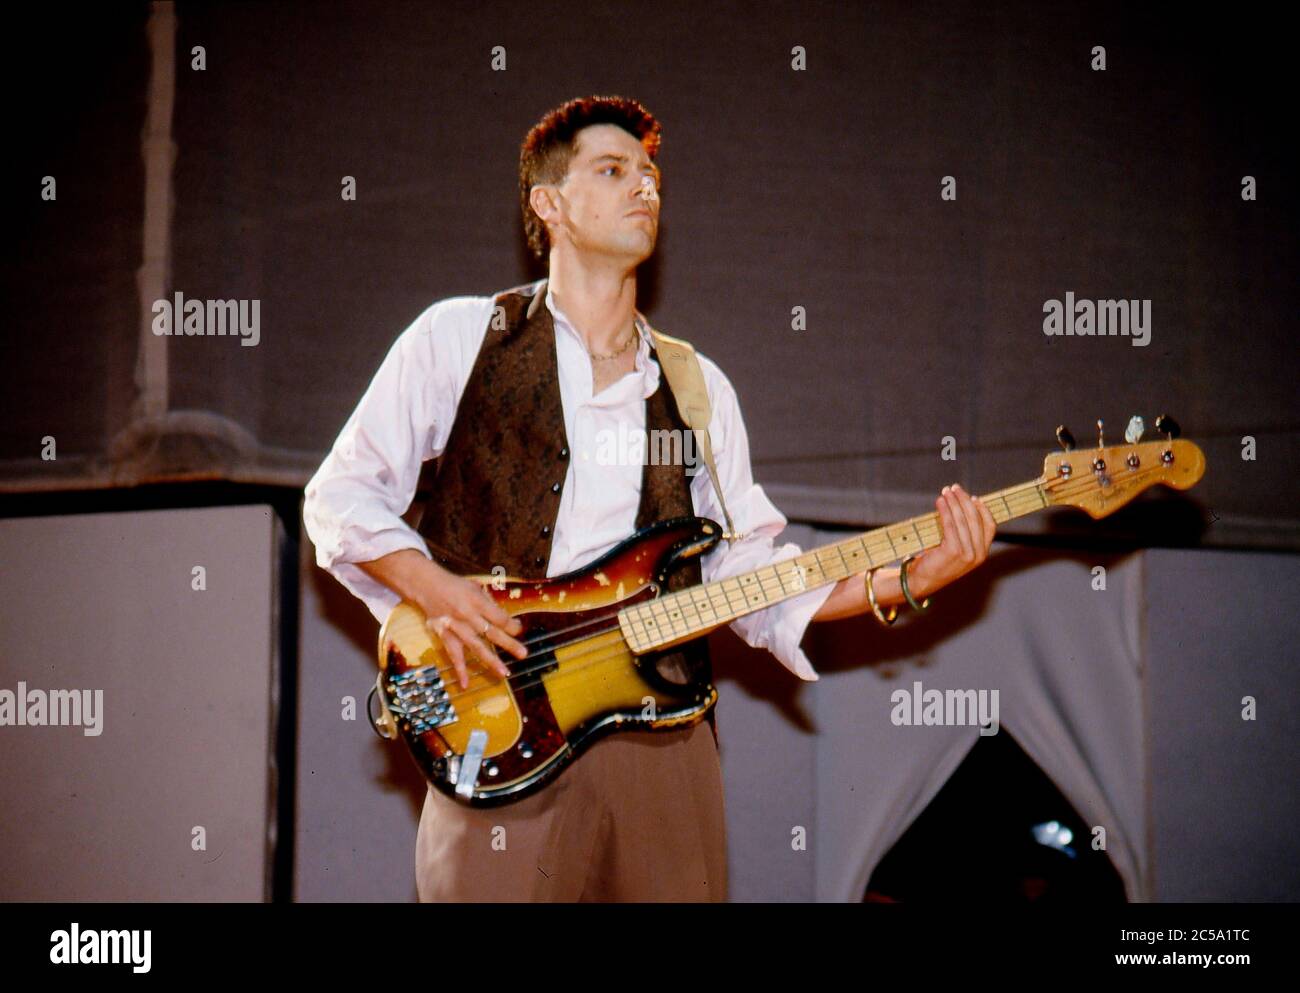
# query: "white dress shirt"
354,502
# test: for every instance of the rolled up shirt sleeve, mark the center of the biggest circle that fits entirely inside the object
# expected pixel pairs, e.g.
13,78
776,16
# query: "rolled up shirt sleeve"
353,505
779,628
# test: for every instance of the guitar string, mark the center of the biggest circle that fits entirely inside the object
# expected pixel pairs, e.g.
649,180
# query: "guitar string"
618,648
547,635
519,677
1025,491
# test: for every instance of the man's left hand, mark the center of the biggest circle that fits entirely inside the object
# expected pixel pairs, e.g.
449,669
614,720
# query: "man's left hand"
968,528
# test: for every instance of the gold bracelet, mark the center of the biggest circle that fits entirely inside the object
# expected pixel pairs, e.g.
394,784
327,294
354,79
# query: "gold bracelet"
875,607
902,581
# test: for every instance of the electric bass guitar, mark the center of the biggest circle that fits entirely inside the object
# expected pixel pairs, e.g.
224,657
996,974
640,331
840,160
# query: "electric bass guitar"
594,635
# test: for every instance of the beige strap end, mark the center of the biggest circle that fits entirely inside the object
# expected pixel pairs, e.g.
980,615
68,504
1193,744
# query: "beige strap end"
678,360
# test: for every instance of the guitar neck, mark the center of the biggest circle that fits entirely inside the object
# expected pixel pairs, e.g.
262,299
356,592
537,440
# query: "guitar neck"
677,617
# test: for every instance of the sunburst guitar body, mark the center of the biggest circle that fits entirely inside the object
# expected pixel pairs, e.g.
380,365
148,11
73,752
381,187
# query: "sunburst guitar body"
599,639
501,738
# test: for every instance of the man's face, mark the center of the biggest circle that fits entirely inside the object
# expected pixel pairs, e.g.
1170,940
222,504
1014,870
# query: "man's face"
608,204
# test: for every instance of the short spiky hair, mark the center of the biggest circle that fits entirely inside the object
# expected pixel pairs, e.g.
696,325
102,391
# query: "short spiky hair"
548,149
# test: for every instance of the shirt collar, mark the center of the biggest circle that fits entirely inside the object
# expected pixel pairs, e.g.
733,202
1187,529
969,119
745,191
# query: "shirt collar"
649,370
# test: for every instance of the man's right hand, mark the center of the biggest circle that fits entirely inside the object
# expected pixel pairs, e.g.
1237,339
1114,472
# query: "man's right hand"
465,618
458,610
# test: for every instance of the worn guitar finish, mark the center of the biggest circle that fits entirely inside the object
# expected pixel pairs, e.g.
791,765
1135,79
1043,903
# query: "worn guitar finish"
579,681
597,637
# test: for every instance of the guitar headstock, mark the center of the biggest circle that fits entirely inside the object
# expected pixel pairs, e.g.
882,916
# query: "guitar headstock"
1101,480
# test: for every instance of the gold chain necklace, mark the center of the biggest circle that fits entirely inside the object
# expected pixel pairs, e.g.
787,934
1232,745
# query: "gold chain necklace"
613,355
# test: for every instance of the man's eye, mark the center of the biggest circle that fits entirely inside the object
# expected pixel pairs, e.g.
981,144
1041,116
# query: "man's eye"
614,167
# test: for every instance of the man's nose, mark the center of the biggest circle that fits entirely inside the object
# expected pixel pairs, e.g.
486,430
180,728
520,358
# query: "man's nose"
645,190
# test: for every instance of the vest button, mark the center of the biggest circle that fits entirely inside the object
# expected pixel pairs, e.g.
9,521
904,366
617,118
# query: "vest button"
539,561
546,529
555,487
564,453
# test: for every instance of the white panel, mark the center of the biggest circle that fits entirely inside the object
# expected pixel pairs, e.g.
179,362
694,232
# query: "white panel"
103,602
1222,626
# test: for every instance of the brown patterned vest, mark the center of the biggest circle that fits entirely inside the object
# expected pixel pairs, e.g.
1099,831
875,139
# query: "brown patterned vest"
495,492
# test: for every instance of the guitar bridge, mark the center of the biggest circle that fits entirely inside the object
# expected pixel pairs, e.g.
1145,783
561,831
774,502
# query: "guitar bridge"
421,698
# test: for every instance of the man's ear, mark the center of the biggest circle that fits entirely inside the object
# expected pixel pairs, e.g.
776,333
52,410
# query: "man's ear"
543,199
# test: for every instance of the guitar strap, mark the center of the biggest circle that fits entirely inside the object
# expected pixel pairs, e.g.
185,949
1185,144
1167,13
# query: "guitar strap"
680,364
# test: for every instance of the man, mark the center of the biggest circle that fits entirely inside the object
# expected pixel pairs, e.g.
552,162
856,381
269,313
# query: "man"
515,393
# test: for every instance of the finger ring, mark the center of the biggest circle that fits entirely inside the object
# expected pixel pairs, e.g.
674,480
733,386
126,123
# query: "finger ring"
486,625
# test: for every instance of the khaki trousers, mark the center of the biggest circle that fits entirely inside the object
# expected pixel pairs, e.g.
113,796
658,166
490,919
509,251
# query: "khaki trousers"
637,817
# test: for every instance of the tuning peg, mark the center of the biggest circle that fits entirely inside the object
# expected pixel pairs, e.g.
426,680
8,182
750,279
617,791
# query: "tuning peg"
1167,426
1064,438
1133,433
1098,463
